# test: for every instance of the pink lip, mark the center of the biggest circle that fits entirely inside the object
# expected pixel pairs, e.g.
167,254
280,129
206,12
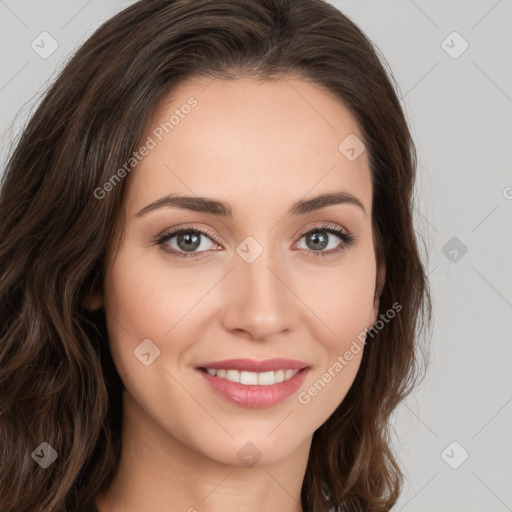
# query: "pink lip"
255,396
250,365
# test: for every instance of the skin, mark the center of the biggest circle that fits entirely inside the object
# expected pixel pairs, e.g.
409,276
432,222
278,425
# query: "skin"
259,146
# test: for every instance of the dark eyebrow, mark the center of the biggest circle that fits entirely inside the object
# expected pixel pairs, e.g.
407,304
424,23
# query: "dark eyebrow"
323,200
215,207
197,204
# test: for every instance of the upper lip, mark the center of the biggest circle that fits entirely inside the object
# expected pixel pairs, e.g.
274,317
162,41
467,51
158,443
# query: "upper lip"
250,365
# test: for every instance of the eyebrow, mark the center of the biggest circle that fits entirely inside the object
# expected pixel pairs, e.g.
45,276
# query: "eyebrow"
216,207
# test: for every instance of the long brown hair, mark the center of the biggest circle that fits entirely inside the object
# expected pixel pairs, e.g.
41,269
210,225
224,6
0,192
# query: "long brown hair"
58,383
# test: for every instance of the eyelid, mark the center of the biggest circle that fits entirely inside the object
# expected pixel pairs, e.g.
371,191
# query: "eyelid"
324,225
189,227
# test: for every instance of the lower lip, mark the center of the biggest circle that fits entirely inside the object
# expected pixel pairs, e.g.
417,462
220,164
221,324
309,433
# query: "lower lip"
255,396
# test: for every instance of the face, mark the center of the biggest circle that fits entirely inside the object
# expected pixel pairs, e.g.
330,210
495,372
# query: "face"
255,288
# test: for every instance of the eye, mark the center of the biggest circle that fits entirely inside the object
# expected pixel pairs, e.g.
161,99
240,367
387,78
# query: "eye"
326,239
193,243
186,242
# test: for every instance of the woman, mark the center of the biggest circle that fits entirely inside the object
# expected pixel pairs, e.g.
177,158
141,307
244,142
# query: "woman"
210,284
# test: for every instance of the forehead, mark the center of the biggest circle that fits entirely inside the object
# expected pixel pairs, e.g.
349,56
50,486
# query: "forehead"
250,142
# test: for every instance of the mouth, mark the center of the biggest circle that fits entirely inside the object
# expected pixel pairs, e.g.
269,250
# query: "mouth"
254,384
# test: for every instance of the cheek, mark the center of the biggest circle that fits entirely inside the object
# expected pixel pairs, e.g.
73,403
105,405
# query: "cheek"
149,293
149,298
143,303
138,305
342,297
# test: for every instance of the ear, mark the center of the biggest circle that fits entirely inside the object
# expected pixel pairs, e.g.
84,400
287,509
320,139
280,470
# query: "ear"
94,299
380,281
95,302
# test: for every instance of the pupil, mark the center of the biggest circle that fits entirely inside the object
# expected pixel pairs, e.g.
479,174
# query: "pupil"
191,241
317,241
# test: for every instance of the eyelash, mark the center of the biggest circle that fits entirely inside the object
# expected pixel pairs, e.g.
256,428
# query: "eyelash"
347,240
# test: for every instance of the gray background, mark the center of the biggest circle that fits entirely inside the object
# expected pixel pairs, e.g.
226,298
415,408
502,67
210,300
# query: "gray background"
459,108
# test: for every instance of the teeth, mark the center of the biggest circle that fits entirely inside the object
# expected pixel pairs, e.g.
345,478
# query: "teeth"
253,378
288,374
266,378
248,378
233,375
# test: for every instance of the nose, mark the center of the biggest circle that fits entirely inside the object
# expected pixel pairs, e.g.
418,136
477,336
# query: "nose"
257,300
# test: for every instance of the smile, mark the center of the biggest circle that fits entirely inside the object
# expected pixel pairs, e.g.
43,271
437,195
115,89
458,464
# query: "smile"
254,384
